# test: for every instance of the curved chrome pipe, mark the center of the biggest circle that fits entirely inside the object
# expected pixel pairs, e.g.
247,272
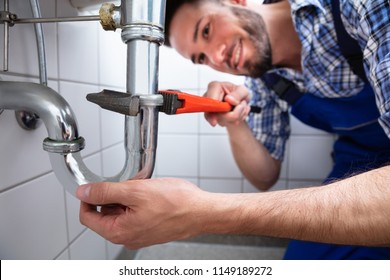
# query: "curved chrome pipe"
64,144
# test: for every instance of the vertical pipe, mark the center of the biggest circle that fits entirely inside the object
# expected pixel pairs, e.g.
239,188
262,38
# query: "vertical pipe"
6,38
36,11
142,31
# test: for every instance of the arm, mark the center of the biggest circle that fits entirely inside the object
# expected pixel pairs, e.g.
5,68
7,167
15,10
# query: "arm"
253,159
160,210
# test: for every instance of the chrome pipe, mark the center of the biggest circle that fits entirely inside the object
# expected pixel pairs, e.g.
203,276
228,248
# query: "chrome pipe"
6,38
64,143
36,11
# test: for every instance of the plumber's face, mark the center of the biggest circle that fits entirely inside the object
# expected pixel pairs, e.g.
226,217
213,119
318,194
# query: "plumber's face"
228,38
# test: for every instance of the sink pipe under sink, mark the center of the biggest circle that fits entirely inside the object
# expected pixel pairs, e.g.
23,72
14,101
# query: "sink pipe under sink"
142,24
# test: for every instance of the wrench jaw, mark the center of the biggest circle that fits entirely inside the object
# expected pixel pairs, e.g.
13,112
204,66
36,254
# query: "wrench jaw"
171,102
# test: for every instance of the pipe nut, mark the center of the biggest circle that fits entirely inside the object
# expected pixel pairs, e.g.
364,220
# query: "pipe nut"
63,147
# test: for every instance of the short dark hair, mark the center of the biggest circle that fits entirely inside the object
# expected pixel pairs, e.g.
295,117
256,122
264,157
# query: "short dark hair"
171,8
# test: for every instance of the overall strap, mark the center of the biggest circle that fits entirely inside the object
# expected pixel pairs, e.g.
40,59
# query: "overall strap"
284,88
349,47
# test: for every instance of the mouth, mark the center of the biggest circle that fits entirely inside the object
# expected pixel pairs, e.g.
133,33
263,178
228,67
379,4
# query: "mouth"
234,55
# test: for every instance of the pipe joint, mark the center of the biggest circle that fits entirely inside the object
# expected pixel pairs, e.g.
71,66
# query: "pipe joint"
63,147
143,31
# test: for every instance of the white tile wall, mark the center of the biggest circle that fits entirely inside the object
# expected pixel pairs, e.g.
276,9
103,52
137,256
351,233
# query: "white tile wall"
39,220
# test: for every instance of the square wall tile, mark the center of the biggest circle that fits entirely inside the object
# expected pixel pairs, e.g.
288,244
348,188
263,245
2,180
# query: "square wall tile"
113,250
207,75
78,51
216,158
180,124
89,246
112,127
112,59
206,128
36,228
22,155
310,157
23,56
279,185
87,113
177,155
176,72
113,160
221,185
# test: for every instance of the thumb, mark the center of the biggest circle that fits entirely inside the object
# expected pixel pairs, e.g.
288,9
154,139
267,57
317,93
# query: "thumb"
101,193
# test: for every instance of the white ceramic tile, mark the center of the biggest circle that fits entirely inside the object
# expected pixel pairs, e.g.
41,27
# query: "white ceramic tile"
207,75
87,113
310,157
175,72
78,51
177,155
216,158
221,185
279,185
73,204
299,128
23,58
112,58
181,123
32,218
64,255
112,128
113,160
206,128
113,250
65,9
22,156
89,246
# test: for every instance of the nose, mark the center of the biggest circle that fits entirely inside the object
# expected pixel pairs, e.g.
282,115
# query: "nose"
216,54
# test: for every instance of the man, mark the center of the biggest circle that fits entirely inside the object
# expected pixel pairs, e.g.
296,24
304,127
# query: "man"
296,40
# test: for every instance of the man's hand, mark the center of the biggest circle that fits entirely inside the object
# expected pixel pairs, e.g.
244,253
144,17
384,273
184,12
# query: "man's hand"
139,213
236,95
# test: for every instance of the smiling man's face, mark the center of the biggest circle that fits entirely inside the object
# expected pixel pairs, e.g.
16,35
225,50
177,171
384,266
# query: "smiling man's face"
229,38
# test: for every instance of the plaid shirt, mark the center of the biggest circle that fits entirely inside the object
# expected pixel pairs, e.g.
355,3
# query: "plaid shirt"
325,71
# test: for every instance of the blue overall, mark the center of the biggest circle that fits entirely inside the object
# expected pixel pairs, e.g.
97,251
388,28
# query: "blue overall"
361,145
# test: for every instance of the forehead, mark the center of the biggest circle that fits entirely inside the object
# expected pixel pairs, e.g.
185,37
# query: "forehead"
184,23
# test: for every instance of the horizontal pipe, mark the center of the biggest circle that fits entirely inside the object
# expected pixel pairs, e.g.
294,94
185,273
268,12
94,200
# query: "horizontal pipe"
59,19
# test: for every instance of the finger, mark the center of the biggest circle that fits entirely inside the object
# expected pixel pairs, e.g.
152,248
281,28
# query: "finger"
104,193
239,93
211,118
215,90
113,209
96,221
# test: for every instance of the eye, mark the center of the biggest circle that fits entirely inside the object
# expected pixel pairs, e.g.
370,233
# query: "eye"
206,30
201,58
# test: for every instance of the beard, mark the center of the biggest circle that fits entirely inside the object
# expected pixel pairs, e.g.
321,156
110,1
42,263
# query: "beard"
254,25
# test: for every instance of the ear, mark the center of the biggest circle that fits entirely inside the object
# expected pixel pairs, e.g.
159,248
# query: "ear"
237,2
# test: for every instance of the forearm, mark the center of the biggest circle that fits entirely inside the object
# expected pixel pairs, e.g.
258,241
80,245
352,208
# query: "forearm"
252,157
351,211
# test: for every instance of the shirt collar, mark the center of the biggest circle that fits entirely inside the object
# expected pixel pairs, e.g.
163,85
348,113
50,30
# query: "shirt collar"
298,4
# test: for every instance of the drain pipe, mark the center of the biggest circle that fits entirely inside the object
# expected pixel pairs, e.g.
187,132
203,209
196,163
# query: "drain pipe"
142,24
64,143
